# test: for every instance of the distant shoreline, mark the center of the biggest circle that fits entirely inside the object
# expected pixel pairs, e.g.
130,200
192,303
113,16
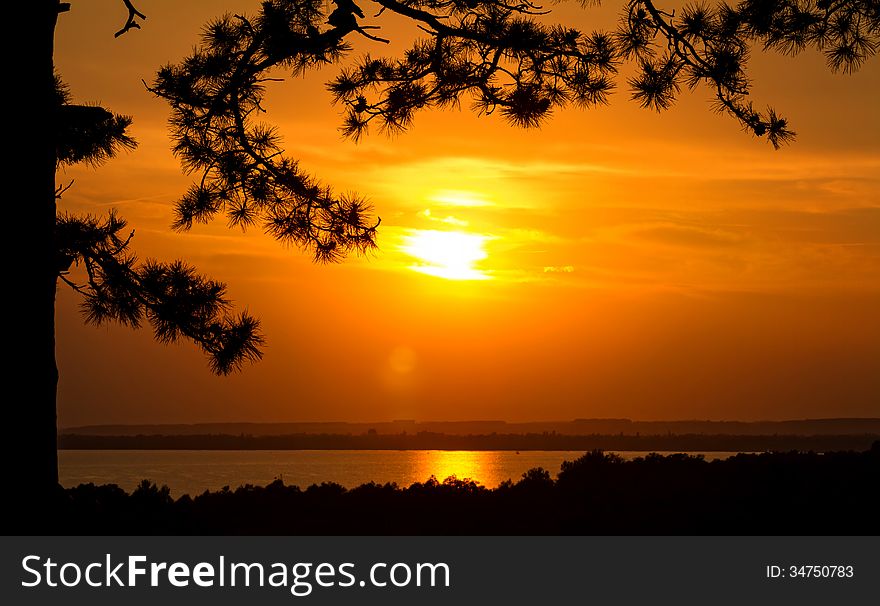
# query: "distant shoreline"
440,441
575,427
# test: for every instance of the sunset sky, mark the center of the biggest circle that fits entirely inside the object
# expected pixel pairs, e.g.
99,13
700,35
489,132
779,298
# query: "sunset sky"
614,263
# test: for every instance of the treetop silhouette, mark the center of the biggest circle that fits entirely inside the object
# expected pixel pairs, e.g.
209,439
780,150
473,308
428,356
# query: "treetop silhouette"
501,54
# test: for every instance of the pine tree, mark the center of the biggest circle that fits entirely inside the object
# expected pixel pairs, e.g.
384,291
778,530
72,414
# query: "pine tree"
500,55
175,300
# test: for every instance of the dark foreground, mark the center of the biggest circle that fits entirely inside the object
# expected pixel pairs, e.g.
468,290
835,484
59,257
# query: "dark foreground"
774,493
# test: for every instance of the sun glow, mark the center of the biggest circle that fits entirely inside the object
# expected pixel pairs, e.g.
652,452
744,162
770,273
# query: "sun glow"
446,254
459,198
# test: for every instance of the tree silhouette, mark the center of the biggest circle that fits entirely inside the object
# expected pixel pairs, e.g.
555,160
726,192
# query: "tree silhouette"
501,55
172,298
175,300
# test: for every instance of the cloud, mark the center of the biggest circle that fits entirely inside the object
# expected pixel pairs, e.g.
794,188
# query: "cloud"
689,236
448,219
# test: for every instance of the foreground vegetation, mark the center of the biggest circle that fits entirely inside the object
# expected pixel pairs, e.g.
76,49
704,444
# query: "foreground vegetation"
599,493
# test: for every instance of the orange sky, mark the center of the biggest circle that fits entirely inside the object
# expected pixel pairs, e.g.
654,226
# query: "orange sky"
620,263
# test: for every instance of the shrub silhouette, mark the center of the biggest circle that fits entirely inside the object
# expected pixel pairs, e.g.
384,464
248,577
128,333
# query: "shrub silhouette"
598,493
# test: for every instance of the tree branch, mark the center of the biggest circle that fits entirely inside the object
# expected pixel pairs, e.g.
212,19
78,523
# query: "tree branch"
131,22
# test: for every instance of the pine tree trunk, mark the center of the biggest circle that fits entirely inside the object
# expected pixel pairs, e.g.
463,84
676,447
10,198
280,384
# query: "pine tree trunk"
47,459
30,485
39,462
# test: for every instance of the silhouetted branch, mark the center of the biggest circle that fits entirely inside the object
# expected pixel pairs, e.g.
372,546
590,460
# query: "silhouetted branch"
719,61
362,32
172,297
215,95
78,288
131,22
496,52
88,133
711,45
62,189
175,300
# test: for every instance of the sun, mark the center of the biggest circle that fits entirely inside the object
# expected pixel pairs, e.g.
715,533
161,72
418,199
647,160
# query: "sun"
452,255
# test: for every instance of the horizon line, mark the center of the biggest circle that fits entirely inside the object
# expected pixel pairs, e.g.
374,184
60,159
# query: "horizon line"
476,421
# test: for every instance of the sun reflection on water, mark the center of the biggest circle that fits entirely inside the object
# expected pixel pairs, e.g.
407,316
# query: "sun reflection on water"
480,466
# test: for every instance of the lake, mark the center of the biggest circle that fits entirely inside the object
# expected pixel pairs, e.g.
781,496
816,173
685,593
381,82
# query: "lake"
194,471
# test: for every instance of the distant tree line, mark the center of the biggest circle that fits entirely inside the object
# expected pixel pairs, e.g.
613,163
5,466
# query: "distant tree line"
493,441
599,493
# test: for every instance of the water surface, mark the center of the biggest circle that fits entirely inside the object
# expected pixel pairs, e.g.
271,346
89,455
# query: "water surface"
194,471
